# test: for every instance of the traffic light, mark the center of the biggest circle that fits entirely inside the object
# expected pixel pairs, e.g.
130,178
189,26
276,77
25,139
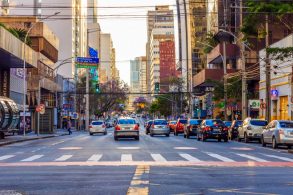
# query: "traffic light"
157,87
98,87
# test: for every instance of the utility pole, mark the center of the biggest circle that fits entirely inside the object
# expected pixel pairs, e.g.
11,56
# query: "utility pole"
225,63
268,72
243,68
87,101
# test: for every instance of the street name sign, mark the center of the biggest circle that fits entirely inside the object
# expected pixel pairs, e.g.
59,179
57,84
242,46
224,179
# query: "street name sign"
83,62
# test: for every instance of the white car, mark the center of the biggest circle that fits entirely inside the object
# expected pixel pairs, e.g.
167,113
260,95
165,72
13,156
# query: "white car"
97,127
251,129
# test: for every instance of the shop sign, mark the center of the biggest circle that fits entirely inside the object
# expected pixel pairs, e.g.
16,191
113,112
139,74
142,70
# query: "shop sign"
254,104
274,94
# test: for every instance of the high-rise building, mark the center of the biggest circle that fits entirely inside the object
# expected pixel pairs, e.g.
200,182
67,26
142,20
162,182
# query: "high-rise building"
161,29
160,14
142,74
107,58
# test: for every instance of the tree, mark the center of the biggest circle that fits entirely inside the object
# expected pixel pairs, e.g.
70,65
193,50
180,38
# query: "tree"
140,104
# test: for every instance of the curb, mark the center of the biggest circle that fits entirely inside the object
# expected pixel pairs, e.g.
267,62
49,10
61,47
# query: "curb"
30,139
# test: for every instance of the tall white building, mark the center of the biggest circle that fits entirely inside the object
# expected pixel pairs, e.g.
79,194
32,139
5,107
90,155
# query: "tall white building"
106,58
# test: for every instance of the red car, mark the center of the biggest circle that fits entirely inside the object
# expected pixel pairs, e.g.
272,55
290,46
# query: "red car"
172,125
181,125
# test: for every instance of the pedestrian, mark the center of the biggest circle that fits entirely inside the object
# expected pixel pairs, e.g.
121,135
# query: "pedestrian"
69,127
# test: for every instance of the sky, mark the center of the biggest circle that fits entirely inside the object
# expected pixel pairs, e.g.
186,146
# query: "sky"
129,35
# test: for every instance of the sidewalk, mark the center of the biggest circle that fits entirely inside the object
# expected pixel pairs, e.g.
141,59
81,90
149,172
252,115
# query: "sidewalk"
30,136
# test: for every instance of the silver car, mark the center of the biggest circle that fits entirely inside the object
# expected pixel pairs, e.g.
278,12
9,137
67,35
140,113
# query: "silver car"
126,128
160,127
278,132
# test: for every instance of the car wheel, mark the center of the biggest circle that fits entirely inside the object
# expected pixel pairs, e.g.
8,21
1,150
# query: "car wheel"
203,138
245,138
289,146
274,142
105,133
238,138
137,138
219,139
91,133
152,135
2,135
226,139
263,142
115,138
168,135
184,135
187,136
198,138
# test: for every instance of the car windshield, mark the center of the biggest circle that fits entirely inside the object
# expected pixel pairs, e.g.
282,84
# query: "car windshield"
183,121
97,123
258,123
126,122
195,122
160,122
238,123
150,122
214,122
286,124
228,123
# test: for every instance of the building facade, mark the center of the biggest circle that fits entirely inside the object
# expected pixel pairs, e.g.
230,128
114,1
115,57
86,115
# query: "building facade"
281,84
107,58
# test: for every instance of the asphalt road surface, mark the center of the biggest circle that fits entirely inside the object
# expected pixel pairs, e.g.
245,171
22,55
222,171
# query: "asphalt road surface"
83,164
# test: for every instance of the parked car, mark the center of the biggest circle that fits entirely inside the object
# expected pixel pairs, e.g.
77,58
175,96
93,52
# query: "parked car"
160,127
251,129
192,126
233,129
126,128
212,129
278,132
97,127
148,126
172,125
228,123
180,126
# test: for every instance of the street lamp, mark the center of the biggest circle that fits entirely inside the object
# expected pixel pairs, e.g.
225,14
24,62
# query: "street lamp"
24,66
244,88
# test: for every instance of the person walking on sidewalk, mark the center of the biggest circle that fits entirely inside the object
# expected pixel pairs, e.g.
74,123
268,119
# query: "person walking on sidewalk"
69,127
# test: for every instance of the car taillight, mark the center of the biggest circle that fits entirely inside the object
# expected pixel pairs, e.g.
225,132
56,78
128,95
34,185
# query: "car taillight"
225,128
207,128
117,128
249,128
153,126
90,126
136,127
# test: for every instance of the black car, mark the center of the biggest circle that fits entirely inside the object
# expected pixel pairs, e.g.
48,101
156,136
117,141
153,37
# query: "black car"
233,129
192,127
148,126
212,129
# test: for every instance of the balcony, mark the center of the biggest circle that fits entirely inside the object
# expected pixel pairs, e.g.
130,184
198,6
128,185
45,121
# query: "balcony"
209,74
215,56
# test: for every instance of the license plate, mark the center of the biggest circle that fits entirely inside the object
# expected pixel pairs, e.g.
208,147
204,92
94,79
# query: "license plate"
216,130
127,128
159,126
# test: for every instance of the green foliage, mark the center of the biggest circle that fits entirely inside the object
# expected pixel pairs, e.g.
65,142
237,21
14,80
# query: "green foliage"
210,41
18,33
280,53
252,21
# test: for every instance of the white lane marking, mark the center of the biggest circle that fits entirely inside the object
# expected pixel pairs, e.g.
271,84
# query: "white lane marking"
252,158
279,157
32,158
189,158
64,158
71,148
184,148
95,158
126,157
222,158
57,143
128,148
6,157
158,158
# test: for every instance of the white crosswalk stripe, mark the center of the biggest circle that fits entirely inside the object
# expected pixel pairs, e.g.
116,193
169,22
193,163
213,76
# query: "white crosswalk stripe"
189,158
252,158
279,157
32,158
222,158
158,157
64,158
95,158
126,157
6,157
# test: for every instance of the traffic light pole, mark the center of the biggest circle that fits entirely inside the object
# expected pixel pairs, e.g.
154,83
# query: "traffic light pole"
87,112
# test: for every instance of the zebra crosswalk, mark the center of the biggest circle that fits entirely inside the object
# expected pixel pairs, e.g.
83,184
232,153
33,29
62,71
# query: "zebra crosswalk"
154,157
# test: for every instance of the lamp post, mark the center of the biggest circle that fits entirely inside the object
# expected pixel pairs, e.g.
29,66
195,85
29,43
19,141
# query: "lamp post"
24,66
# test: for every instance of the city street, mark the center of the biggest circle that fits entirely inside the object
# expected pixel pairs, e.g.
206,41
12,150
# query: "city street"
83,164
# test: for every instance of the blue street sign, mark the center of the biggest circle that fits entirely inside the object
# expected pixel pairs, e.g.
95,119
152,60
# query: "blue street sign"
93,53
83,60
